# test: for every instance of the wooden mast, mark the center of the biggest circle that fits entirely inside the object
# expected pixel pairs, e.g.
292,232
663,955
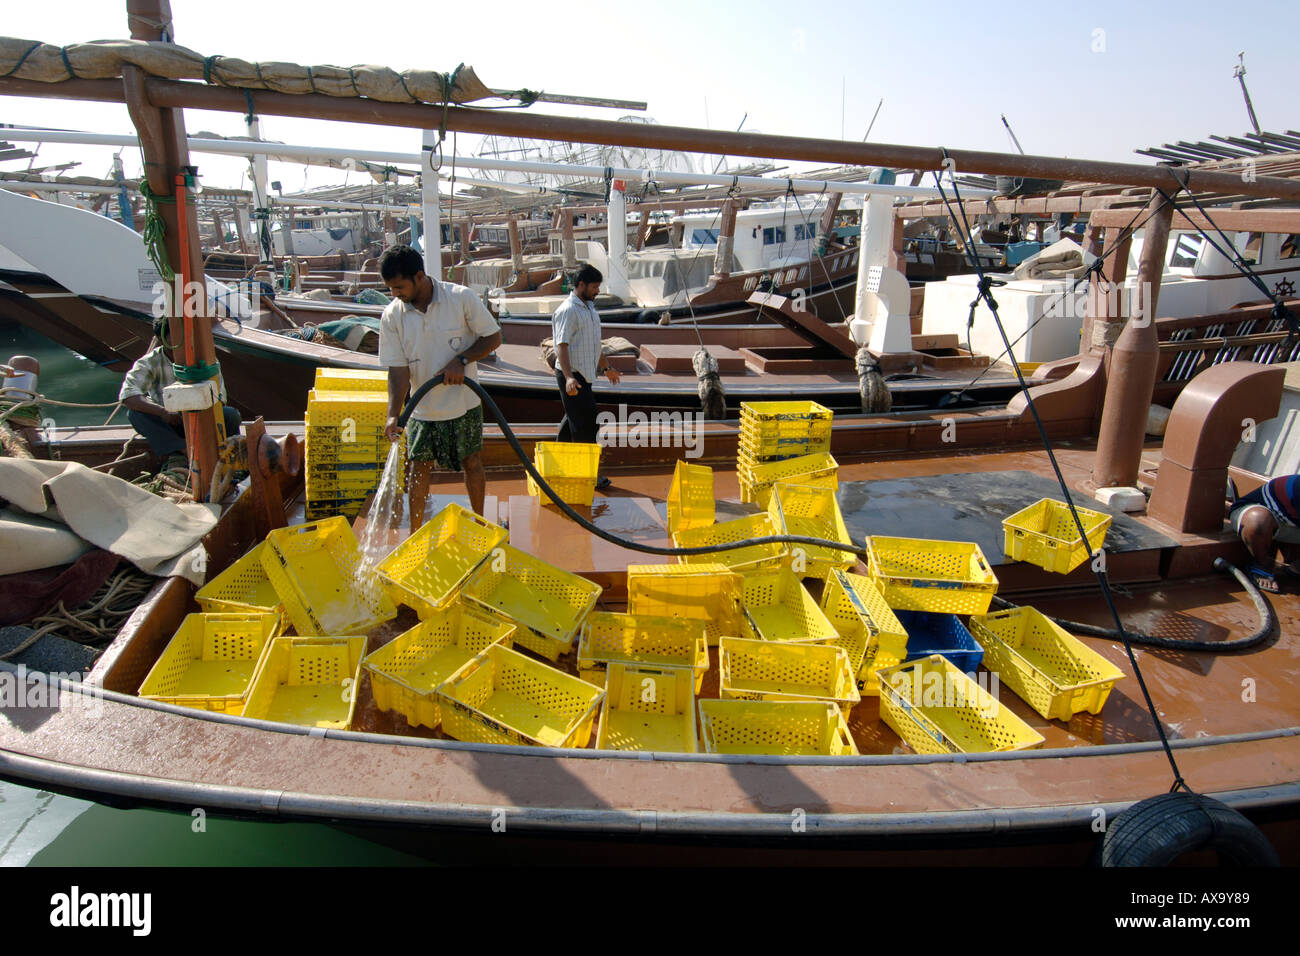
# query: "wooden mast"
166,155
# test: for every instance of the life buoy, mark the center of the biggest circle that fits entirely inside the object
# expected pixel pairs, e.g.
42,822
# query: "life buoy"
1158,831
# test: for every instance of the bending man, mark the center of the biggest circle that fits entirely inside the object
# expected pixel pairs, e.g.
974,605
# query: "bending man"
1266,519
434,327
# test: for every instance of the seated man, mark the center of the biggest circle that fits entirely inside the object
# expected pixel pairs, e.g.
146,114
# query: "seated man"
1266,519
141,393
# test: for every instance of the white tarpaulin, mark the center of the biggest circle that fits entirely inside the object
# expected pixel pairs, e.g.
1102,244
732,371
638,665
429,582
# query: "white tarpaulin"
156,535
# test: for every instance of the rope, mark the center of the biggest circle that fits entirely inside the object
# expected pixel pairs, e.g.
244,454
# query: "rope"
821,257
22,59
97,621
154,231
1102,578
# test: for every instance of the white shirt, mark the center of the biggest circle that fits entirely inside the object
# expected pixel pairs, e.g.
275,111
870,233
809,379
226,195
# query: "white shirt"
426,341
577,324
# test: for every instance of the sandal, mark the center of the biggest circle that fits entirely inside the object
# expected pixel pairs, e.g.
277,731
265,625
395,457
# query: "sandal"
1264,581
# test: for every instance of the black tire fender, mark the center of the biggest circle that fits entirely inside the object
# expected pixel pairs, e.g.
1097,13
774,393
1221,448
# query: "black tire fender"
1157,831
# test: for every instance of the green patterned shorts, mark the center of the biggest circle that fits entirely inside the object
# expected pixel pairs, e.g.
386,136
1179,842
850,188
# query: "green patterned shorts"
447,442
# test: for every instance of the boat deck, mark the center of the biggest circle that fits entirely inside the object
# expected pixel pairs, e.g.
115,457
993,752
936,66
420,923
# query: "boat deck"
1233,717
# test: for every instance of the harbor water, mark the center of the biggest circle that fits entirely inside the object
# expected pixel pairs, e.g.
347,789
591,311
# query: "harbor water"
38,828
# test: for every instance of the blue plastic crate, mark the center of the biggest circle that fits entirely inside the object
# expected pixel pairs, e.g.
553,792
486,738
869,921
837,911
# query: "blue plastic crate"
944,634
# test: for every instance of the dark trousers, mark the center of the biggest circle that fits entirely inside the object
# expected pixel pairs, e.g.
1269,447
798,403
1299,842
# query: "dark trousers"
579,422
165,439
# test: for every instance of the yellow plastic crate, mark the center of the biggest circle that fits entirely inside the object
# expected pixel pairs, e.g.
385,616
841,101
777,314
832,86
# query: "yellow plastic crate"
739,529
503,697
547,602
570,468
347,409
211,661
690,498
767,670
405,673
1045,534
356,484
943,577
1051,670
858,612
309,681
322,508
650,709
243,588
779,608
318,572
755,451
769,412
938,709
641,639
756,481
815,513
352,380
710,593
783,728
427,569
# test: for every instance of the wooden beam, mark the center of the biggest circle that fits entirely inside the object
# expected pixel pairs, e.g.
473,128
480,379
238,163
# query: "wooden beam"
189,95
1230,220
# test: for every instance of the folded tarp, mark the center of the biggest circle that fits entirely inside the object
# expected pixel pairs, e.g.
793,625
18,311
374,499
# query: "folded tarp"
158,536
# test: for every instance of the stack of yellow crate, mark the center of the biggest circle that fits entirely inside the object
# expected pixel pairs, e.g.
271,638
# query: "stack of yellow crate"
795,432
346,447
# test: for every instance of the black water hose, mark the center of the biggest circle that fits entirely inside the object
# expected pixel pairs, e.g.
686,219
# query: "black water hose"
1267,618
1267,622
564,506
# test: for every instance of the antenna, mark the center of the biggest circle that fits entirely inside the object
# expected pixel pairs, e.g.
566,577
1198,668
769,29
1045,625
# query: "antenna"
1012,134
1239,71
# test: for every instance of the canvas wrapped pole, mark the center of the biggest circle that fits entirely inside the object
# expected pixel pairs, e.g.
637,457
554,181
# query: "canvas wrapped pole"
104,59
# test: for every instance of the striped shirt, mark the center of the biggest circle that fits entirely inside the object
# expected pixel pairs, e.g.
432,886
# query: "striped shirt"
153,372
1280,496
577,324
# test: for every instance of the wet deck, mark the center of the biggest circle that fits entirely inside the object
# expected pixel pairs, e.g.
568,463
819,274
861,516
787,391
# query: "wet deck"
964,498
1203,700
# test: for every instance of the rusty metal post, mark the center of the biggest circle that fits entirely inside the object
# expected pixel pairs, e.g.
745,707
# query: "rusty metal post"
166,154
1132,374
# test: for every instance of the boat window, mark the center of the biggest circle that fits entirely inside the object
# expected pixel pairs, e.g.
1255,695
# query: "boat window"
1290,247
704,237
1186,251
773,235
1254,243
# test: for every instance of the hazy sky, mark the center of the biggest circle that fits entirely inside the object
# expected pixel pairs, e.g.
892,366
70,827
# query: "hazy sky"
1090,81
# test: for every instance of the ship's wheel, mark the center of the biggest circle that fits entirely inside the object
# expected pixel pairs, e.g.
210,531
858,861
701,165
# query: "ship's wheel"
1284,288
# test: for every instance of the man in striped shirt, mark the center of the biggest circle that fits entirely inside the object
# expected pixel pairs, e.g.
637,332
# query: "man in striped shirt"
142,395
1268,519
575,328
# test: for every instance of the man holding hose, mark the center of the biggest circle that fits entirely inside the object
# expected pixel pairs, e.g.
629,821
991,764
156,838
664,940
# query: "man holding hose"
430,328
